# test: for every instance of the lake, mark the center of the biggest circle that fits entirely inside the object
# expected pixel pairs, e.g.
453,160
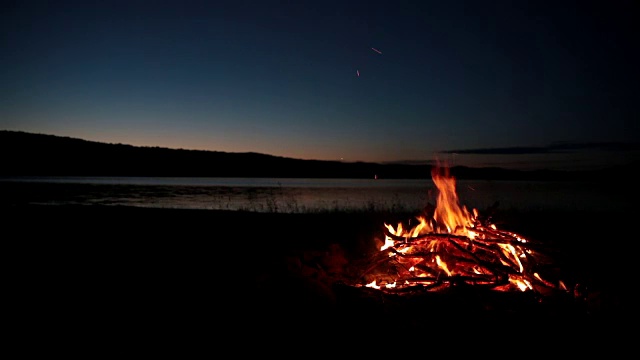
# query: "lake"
307,195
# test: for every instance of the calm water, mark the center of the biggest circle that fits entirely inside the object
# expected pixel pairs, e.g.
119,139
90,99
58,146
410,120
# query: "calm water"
307,195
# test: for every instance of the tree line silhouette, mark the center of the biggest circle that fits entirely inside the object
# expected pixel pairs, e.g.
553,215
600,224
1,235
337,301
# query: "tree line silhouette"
30,154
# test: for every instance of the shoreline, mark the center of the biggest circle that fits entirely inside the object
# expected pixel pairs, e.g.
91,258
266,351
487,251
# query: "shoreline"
555,197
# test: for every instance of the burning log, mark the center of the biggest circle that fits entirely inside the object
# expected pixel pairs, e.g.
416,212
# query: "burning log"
494,261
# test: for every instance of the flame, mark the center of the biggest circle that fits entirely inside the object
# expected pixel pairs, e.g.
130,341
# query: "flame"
449,216
448,212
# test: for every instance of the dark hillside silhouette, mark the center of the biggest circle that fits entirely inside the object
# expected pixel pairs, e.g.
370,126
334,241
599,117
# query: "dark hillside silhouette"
29,154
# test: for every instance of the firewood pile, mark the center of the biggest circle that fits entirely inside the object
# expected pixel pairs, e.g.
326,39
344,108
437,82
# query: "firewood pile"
487,258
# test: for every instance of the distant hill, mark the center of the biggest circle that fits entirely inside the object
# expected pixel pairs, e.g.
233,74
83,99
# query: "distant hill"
29,154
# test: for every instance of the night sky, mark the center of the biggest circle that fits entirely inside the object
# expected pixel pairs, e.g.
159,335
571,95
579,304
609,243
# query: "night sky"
540,84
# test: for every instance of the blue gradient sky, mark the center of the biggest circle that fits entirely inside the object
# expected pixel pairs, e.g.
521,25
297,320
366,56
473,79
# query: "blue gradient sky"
480,83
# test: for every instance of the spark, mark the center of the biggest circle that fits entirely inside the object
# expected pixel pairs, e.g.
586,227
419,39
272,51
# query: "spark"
376,50
358,73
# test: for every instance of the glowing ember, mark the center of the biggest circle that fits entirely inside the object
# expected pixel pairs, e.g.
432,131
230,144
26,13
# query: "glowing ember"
451,247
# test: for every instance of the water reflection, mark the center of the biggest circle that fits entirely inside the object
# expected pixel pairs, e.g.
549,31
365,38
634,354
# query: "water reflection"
304,195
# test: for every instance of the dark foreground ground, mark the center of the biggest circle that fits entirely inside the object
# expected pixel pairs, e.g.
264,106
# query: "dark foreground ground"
114,275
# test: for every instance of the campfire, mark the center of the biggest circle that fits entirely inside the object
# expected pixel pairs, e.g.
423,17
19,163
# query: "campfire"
450,246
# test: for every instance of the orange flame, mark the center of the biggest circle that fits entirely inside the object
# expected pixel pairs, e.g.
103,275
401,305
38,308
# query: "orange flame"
448,211
449,216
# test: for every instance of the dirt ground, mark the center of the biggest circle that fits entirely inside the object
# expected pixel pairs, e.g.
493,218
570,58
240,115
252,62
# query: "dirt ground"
160,271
